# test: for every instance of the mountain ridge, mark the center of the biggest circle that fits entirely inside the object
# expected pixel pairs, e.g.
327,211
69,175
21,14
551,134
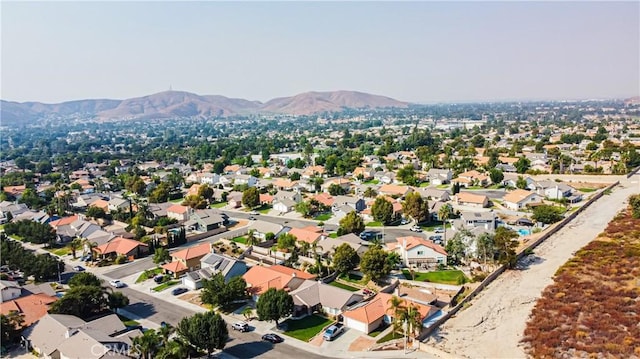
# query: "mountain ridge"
169,104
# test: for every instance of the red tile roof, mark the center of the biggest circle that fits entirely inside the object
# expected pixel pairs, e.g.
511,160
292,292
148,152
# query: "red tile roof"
63,221
261,278
186,254
175,267
119,245
33,307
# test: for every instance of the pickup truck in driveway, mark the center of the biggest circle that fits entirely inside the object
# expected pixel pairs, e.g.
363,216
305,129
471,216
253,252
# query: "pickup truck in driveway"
333,331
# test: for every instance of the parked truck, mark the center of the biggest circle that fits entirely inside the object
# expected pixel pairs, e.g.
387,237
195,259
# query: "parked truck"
333,331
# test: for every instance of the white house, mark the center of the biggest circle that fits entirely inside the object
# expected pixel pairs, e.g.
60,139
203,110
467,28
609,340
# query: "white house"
178,212
418,252
520,198
10,290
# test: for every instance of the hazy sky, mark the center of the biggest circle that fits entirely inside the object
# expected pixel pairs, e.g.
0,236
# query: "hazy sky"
411,51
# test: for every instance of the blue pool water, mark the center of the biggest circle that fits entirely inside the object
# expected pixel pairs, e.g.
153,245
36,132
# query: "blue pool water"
524,232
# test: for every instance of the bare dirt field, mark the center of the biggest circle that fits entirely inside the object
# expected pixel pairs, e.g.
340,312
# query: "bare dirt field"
493,325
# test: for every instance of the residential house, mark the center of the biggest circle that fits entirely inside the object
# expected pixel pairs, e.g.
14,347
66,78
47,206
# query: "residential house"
284,184
385,177
120,246
178,212
234,199
309,234
85,200
395,190
363,173
187,259
316,296
486,220
260,228
118,204
313,171
553,190
434,194
344,183
204,220
212,264
418,252
325,198
245,180
284,205
351,239
9,210
259,279
506,168
355,203
472,178
15,191
437,176
291,195
472,199
65,336
32,307
9,290
520,198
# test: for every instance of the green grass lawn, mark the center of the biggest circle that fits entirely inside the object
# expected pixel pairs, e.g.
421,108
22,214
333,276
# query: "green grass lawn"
374,224
165,285
424,184
371,182
352,278
333,235
306,328
241,239
219,205
390,336
587,190
127,322
264,209
60,251
177,200
378,331
323,217
443,186
444,277
143,276
344,286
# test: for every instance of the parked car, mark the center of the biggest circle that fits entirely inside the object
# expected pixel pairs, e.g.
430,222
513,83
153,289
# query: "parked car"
179,290
404,221
333,331
86,258
78,268
116,283
273,338
439,230
252,218
416,229
159,278
255,213
240,326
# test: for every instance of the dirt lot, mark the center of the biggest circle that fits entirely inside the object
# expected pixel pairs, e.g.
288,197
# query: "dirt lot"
493,325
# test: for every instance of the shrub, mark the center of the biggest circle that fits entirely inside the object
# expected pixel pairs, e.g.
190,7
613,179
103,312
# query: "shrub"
120,259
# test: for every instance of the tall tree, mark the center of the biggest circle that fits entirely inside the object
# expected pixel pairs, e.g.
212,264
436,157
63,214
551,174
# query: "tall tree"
444,213
416,207
85,278
161,255
345,258
506,246
382,210
251,197
82,301
274,304
117,300
218,293
351,223
206,331
374,263
147,344
496,176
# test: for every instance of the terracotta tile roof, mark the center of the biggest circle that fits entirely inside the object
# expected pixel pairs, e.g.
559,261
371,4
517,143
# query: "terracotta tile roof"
63,221
33,307
284,183
471,197
175,267
119,245
394,189
261,278
266,198
101,203
193,190
325,199
517,195
375,309
15,190
193,252
176,208
413,241
304,235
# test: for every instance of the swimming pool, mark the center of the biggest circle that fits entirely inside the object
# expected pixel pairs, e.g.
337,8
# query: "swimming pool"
524,232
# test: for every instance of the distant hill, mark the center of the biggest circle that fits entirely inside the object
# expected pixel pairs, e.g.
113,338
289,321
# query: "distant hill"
632,101
313,102
185,104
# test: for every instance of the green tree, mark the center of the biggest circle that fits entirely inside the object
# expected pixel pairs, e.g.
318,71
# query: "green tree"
304,208
506,246
382,210
351,223
74,245
336,190
370,192
195,201
11,325
117,300
374,263
274,304
205,192
96,212
547,214
496,176
345,258
444,213
251,197
416,207
455,250
147,344
220,294
407,175
175,349
521,182
86,279
82,301
286,242
522,164
161,255
206,331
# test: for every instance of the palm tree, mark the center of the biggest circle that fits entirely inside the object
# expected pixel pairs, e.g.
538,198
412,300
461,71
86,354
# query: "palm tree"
165,332
88,246
146,344
304,248
370,192
444,214
251,238
396,306
74,245
175,349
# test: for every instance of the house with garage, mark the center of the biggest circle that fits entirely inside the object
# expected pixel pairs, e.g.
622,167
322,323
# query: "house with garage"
343,183
260,278
355,242
32,307
260,228
9,290
204,220
129,248
395,190
179,213
434,194
187,260
118,204
468,219
520,198
315,296
355,203
472,199
437,176
553,190
418,252
309,234
212,264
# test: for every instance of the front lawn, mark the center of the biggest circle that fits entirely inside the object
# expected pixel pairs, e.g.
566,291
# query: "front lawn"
349,277
344,286
371,182
264,209
165,285
128,322
455,277
378,331
60,251
219,205
241,239
323,217
587,190
148,274
374,224
306,328
431,226
333,235
390,336
177,200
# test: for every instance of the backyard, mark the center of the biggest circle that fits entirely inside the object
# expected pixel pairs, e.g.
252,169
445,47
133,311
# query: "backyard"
444,277
344,286
306,328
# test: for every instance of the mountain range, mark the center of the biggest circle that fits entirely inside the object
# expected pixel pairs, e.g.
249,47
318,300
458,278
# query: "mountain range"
185,104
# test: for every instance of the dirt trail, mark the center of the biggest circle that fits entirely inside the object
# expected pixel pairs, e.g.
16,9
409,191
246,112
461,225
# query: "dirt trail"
493,325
